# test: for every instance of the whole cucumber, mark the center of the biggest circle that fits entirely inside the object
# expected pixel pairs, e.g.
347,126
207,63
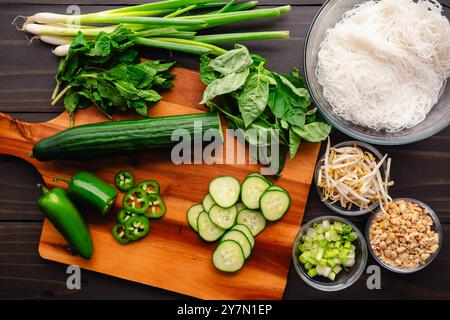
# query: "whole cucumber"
120,137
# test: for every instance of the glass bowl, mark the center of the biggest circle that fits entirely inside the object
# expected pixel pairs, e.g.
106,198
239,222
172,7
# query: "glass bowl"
336,207
436,228
436,120
343,279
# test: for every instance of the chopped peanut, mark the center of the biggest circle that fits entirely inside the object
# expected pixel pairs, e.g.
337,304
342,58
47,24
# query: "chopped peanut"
402,237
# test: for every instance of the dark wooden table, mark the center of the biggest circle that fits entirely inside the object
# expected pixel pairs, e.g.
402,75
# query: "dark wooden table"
420,170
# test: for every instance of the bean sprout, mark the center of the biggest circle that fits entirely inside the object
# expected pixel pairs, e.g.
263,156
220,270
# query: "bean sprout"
352,177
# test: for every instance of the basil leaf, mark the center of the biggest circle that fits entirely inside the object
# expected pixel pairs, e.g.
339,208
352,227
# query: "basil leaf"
257,130
233,61
295,116
295,78
227,84
294,143
207,74
304,99
257,59
311,112
313,132
253,98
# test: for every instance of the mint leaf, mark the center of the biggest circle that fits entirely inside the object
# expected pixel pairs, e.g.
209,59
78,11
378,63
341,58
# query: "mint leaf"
71,100
102,46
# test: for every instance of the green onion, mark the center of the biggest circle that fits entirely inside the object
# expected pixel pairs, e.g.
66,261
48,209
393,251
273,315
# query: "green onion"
227,6
246,36
169,4
321,251
218,19
162,24
181,11
193,49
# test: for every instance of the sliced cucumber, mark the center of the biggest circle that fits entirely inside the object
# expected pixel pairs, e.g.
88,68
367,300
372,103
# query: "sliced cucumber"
274,187
240,238
223,217
225,191
245,230
256,174
208,202
240,206
253,220
207,230
192,215
228,256
274,204
252,189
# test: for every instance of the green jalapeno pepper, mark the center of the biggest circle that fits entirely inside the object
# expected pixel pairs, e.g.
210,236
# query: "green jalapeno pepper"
157,207
119,233
124,180
135,201
59,209
88,190
149,186
124,215
137,227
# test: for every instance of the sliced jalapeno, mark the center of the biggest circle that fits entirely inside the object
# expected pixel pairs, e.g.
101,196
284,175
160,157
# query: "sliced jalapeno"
137,227
124,180
149,186
157,207
135,201
119,233
124,215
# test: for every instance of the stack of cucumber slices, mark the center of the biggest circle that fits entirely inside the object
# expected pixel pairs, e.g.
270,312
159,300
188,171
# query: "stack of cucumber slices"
235,214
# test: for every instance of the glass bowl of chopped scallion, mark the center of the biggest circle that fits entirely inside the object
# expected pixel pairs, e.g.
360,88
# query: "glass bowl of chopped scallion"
329,253
352,178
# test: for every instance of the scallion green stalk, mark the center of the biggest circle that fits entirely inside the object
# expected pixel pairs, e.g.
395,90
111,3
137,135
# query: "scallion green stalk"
154,21
149,13
237,37
181,11
213,49
243,6
218,19
227,6
187,48
169,4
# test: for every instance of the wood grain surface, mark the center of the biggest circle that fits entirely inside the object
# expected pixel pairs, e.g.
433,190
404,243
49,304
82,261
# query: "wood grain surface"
172,256
420,170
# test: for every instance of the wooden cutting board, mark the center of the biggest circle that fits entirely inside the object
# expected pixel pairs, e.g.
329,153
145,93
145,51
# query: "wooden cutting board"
172,256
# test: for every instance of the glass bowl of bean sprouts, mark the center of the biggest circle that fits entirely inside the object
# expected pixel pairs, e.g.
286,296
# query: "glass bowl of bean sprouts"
352,178
437,119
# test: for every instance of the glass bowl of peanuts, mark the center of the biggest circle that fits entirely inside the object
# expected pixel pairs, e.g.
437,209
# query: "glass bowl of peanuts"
351,177
406,237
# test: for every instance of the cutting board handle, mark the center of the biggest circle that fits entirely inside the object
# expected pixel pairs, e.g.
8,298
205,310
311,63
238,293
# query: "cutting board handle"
16,137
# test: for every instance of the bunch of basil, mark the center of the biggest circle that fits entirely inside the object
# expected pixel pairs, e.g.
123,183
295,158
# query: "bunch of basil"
252,97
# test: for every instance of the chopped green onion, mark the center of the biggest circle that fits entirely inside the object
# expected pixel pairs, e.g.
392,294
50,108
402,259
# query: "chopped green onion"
323,251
